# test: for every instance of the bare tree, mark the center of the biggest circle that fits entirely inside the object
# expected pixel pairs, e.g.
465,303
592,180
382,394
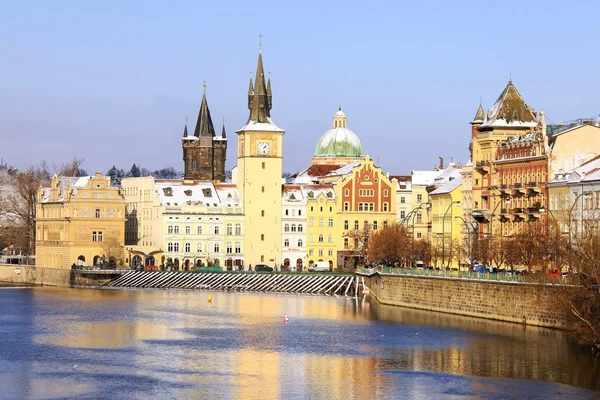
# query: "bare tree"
390,244
112,250
360,240
422,251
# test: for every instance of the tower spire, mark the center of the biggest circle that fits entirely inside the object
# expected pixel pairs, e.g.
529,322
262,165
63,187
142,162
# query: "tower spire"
204,125
259,105
223,134
185,133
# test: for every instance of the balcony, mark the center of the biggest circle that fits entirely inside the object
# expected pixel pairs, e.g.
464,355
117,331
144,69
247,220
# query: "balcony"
483,166
481,215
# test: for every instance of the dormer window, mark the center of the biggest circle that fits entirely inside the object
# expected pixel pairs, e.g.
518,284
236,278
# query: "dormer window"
188,192
207,192
168,191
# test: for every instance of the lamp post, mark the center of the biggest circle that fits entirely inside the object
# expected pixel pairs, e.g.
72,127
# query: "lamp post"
474,234
491,227
444,229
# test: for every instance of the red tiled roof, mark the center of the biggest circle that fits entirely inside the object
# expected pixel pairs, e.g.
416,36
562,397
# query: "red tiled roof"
319,186
289,188
321,170
401,178
225,185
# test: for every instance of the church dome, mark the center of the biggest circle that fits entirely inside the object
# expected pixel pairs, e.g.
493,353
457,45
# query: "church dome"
339,141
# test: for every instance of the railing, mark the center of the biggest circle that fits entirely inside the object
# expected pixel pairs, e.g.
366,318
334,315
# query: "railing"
504,276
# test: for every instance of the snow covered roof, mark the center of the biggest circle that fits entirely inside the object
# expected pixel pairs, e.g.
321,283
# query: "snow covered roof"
292,193
339,142
424,178
449,186
313,191
261,126
181,193
344,170
65,182
510,110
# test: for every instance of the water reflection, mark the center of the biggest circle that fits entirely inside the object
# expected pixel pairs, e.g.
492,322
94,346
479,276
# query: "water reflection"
166,344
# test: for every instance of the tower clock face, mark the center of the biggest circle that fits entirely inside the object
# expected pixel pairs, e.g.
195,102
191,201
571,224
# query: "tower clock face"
263,148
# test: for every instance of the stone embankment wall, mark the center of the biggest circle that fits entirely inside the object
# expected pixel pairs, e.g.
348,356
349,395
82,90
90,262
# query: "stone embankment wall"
35,275
530,304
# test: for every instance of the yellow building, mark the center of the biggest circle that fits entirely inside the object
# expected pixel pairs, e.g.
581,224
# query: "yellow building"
446,226
321,211
79,221
258,175
572,144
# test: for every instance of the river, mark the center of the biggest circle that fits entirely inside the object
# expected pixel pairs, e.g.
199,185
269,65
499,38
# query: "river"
111,344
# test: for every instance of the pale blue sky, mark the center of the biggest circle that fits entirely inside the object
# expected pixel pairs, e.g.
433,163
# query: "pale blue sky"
113,81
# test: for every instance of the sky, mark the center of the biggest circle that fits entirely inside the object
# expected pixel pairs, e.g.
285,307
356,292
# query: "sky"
113,81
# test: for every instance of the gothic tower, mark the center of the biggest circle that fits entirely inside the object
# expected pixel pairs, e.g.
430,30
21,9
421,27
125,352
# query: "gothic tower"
259,175
204,153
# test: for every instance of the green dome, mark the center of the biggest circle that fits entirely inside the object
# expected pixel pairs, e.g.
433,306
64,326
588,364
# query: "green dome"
339,141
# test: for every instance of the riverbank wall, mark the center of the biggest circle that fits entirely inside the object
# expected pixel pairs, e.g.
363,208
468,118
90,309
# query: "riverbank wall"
524,303
32,275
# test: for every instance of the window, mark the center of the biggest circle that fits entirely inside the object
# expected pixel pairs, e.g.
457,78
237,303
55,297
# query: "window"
199,247
229,229
330,222
96,236
418,235
216,247
402,199
311,238
312,208
286,243
216,230
330,238
402,214
320,252
229,247
374,225
286,228
187,247
263,165
384,224
188,229
98,213
199,230
238,229
300,244
321,238
346,225
419,218
311,253
311,222
419,198
262,237
360,206
385,206
299,212
300,228
262,188
371,206
355,224
346,206
347,192
238,248
170,229
175,246
321,222
293,227
170,246
262,213
194,164
386,193
287,212
345,243
356,243
176,229
330,252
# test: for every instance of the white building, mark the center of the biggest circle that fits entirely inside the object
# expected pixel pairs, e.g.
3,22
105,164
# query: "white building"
293,220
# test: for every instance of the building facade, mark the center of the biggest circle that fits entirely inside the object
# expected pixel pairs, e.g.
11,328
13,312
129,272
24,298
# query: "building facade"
293,218
446,224
80,221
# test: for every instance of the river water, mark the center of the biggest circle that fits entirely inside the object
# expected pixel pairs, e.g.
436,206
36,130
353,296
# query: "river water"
80,343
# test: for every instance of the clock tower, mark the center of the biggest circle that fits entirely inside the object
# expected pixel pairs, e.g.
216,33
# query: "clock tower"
259,175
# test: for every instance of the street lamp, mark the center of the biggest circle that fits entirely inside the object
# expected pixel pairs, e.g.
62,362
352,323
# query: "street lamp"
472,227
413,212
571,231
444,234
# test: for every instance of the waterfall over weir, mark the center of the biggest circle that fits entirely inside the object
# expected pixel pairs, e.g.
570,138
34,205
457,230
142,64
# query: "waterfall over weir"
329,284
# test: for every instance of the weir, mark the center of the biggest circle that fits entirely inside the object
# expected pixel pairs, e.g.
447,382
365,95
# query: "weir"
315,284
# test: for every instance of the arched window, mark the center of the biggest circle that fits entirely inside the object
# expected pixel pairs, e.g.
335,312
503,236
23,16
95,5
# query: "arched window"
188,247
238,248
345,243
286,243
176,229
300,244
199,247
170,229
170,246
199,230
293,227
229,247
320,238
330,239
229,229
286,228
175,246
216,247
216,230
188,229
300,228
238,229
385,193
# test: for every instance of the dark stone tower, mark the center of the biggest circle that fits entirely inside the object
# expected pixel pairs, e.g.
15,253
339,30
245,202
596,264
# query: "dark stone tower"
203,153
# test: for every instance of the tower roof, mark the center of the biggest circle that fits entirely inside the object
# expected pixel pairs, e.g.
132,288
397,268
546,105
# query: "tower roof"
479,116
510,110
185,133
223,134
204,125
259,104
339,141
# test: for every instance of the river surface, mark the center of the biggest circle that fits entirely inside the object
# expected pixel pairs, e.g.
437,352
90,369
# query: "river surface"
110,344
